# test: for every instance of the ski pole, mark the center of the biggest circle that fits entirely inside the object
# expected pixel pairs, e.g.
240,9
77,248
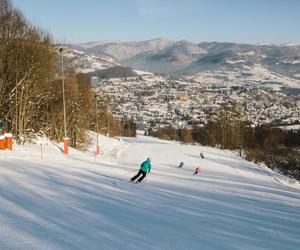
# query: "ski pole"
126,174
132,171
146,178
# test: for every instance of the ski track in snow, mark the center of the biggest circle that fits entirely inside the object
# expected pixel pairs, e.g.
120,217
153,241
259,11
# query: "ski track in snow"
86,202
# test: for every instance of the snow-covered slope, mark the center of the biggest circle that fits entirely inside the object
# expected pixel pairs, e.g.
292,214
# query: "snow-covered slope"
85,63
85,202
255,74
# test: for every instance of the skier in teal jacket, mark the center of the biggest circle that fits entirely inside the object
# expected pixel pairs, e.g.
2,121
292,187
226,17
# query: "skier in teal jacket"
145,168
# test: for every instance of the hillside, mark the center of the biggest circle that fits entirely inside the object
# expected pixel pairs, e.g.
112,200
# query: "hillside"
115,72
183,57
169,60
85,202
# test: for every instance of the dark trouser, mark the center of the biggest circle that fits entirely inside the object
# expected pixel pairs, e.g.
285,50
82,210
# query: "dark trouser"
141,172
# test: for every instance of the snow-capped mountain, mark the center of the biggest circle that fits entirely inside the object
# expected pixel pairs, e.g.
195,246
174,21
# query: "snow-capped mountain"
124,50
184,58
170,59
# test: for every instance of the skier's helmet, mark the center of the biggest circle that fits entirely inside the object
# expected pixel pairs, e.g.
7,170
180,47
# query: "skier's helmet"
148,159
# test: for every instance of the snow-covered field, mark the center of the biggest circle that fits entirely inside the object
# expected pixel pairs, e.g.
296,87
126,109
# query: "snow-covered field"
85,202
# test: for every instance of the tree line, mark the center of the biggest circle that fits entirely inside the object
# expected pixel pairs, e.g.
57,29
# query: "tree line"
31,99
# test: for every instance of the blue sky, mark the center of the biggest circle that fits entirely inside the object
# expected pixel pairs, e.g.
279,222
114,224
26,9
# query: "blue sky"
246,21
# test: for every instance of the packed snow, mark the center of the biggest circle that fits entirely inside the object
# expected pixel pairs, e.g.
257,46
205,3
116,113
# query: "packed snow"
84,201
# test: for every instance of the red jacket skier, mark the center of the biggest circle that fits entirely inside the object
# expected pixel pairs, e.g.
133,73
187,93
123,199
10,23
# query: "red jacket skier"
197,170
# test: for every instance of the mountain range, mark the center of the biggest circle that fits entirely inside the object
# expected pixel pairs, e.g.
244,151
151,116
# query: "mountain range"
184,58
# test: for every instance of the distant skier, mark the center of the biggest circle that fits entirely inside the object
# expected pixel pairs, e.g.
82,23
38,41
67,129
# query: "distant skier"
145,168
202,155
181,165
197,170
